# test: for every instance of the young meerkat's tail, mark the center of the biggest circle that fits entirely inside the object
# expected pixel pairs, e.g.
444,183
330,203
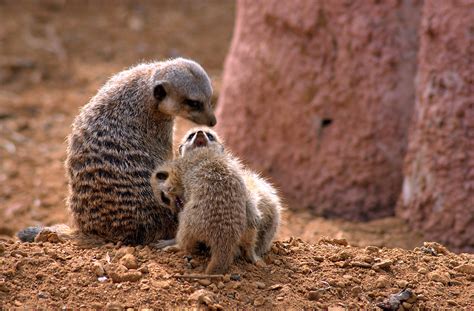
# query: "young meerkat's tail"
63,233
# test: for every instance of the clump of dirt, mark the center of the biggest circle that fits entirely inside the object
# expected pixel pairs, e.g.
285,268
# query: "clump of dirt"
330,275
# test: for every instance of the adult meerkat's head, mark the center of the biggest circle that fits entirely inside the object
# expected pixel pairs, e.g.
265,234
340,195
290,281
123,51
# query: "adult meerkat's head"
198,138
182,88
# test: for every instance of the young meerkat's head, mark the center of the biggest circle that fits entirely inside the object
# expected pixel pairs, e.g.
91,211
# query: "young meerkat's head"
200,137
182,88
166,188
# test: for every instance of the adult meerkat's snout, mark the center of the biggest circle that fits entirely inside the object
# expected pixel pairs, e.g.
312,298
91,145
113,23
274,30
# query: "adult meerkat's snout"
184,90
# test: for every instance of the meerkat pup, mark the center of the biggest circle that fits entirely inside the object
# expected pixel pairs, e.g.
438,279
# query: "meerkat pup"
262,207
218,210
119,137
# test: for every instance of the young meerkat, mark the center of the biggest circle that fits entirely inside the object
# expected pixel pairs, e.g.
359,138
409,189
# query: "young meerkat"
117,140
218,210
263,207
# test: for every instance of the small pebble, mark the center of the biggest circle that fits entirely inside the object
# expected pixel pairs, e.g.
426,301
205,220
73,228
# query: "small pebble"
201,295
465,268
259,285
382,282
438,276
98,268
144,269
402,283
3,286
123,250
220,285
384,265
235,277
113,306
313,295
372,249
259,301
226,278
204,282
43,295
129,261
276,286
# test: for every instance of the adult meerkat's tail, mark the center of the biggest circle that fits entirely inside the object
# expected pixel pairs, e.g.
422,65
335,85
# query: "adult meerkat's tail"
62,233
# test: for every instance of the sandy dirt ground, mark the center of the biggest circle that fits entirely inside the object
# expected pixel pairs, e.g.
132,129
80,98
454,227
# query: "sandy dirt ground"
53,57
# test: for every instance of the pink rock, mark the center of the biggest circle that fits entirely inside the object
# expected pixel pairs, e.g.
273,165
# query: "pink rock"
438,189
319,95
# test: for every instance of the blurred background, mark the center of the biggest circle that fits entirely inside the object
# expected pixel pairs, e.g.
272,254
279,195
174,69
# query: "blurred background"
334,102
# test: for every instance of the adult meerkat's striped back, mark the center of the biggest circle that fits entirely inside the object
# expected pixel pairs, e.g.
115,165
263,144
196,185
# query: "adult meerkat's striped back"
117,140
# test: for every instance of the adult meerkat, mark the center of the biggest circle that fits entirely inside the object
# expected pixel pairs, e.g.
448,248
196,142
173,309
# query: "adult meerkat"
263,207
218,210
118,138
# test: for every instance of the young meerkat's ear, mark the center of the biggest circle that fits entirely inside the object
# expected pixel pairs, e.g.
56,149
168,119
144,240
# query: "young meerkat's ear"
162,175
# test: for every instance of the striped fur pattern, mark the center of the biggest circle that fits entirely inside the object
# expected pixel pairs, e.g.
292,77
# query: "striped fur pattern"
119,137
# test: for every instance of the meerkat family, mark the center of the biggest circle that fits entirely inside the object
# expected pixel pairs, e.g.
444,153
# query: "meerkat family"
117,140
220,203
116,192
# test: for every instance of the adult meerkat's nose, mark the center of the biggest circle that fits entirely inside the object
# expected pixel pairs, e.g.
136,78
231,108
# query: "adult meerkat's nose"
212,121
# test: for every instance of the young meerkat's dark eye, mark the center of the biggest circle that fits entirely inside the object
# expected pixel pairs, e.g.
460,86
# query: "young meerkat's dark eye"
190,136
194,104
210,136
161,175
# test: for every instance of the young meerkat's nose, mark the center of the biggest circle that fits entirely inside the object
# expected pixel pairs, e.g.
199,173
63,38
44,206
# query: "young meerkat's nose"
201,139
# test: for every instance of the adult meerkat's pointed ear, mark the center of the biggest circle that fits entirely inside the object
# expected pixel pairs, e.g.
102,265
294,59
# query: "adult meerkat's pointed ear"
159,90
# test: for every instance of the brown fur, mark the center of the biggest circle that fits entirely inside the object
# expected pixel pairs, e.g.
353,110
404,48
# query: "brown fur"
217,204
200,178
119,137
269,208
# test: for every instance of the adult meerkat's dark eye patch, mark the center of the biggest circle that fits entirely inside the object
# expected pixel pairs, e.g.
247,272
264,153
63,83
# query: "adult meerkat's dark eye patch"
162,175
194,104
